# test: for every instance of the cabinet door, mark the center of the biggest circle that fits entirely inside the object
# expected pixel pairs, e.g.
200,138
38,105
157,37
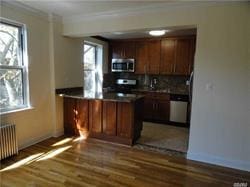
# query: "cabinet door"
123,50
125,119
95,116
129,49
182,62
69,115
141,57
154,51
109,118
148,109
117,50
168,52
82,116
162,110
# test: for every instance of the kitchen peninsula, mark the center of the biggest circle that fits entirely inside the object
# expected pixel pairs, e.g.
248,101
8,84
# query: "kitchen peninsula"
107,116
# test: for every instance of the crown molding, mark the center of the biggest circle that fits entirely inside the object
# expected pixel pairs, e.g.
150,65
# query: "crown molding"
25,9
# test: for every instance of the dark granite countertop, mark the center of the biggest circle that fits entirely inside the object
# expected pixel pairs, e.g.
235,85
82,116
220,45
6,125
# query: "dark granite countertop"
117,97
167,91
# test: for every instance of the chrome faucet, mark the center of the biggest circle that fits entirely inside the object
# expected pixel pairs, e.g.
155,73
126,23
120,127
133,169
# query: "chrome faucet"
153,83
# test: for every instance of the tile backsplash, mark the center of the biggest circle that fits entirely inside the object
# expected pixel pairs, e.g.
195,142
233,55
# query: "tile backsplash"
163,81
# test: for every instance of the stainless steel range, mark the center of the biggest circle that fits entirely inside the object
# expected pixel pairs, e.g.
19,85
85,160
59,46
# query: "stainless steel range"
125,85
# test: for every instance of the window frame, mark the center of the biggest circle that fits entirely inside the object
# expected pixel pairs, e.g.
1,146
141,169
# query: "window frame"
23,65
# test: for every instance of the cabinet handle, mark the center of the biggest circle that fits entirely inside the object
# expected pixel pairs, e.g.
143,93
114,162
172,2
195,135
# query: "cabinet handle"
174,68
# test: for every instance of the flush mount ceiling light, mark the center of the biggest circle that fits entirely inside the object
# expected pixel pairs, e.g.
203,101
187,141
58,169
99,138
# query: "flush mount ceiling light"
157,32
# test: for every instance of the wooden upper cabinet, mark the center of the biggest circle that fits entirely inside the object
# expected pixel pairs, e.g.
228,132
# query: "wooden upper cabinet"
123,49
168,53
109,118
183,57
141,57
95,116
154,56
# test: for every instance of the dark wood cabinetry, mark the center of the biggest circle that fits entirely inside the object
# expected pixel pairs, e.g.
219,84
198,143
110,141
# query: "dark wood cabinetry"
124,120
168,53
184,56
156,106
75,116
148,57
166,56
123,49
108,120
177,56
109,117
95,116
141,57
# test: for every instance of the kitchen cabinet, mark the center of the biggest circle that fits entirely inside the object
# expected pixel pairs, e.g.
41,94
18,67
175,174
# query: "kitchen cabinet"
109,117
114,121
154,57
168,53
177,56
95,116
156,106
147,57
123,49
75,116
124,120
184,56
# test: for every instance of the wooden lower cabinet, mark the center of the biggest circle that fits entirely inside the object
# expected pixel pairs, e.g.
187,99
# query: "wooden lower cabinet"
109,118
162,110
75,116
69,115
95,116
156,106
125,119
114,121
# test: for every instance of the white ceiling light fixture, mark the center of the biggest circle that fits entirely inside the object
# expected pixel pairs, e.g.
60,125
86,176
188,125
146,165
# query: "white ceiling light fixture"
157,32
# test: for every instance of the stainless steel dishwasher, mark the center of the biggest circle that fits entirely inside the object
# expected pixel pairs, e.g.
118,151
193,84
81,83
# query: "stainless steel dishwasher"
178,108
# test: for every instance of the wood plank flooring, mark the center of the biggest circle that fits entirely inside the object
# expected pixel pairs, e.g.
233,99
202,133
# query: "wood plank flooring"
72,162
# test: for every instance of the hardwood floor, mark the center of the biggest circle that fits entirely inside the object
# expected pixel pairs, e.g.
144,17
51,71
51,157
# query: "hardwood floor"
72,162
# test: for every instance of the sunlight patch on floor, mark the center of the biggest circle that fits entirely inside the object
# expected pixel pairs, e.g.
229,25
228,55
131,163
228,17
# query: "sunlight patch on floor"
22,162
53,153
64,141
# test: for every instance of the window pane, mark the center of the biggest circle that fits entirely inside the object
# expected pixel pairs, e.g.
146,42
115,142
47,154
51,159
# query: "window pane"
89,57
9,40
89,83
11,95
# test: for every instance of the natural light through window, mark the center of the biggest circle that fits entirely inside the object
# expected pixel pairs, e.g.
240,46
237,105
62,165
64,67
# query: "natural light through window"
13,67
92,60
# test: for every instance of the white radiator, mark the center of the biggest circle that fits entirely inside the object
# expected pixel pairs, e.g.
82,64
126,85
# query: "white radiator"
8,141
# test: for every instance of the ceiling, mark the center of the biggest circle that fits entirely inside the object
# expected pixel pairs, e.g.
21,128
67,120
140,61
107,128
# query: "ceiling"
171,31
87,8
71,10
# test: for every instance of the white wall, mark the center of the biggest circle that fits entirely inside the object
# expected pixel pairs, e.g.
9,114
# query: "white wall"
35,124
67,59
219,130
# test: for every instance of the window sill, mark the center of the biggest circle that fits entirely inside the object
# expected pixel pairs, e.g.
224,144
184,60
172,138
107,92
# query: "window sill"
17,110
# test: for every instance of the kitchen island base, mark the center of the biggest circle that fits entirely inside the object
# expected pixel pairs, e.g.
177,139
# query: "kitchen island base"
110,120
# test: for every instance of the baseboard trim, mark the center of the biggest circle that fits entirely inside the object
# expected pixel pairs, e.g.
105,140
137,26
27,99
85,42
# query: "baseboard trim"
235,164
58,133
34,141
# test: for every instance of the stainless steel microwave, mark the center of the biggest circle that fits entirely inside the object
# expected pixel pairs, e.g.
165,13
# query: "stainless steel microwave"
123,65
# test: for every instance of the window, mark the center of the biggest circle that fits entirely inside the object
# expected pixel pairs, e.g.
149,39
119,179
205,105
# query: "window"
13,67
92,59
